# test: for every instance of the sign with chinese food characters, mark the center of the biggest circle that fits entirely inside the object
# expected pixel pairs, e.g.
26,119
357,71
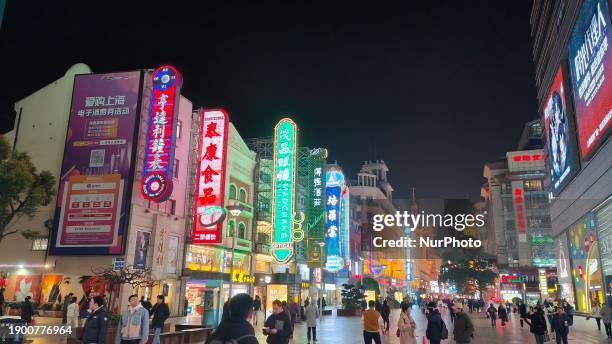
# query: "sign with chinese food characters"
92,206
210,183
156,184
283,188
334,182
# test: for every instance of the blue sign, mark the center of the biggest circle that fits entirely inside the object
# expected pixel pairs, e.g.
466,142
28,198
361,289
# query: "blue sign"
333,219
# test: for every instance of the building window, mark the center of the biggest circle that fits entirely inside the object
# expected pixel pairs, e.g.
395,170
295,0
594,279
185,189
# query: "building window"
40,244
263,238
232,191
241,230
172,207
179,126
230,228
242,195
176,168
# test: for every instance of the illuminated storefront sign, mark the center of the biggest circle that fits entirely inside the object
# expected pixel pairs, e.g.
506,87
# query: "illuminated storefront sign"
159,153
275,292
283,186
315,224
334,182
526,160
543,281
590,63
519,209
560,139
212,155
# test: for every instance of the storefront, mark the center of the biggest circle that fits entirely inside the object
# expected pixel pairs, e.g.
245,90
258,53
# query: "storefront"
603,216
566,286
585,263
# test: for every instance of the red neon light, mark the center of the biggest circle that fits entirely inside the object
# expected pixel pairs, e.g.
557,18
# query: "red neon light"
516,158
519,208
210,183
156,183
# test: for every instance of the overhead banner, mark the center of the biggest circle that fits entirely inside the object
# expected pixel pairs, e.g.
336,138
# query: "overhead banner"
156,183
91,214
283,188
560,141
209,213
590,64
334,182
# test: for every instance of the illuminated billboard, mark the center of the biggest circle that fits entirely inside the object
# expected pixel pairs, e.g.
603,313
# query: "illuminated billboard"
156,183
560,139
315,224
93,199
590,63
334,182
283,188
208,210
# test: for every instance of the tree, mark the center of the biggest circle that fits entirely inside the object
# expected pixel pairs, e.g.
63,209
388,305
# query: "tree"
351,296
116,278
467,273
22,189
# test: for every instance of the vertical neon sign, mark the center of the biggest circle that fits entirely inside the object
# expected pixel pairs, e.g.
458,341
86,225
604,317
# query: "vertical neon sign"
156,183
210,183
283,188
334,182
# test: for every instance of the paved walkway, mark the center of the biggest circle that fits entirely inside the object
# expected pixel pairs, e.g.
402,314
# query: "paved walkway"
348,330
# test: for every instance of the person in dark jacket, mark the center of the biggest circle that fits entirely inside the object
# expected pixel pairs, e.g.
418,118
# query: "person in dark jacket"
67,300
27,310
385,312
502,312
1,302
146,303
236,325
434,324
463,331
256,309
538,324
278,325
523,312
160,313
94,331
561,324
492,313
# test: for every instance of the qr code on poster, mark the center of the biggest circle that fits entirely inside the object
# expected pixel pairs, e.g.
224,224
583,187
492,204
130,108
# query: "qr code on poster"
96,159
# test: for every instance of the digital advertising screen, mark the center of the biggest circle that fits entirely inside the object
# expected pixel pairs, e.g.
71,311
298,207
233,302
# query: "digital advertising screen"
590,59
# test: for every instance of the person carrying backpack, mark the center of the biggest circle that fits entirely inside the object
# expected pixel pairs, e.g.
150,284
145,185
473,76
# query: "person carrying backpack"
464,329
436,329
236,328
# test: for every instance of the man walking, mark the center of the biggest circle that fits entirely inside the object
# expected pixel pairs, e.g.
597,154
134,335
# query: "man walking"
67,301
256,309
435,324
160,314
236,326
464,329
523,312
94,331
27,310
372,324
133,326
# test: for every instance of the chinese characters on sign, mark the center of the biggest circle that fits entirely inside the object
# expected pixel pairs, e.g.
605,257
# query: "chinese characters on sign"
157,181
93,192
315,256
519,209
212,153
333,217
283,185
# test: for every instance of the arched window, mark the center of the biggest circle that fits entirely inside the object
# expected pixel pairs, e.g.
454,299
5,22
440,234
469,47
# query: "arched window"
242,195
230,228
241,230
232,191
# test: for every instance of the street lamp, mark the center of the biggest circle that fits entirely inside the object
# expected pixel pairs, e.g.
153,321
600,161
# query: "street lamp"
235,209
322,245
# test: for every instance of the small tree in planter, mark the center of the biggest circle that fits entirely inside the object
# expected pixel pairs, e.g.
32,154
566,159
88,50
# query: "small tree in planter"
351,300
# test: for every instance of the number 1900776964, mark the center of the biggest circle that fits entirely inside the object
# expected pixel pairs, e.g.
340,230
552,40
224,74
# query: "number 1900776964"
41,330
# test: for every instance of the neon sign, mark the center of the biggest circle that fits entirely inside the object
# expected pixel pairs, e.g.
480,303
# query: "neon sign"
334,182
519,209
208,210
283,189
156,184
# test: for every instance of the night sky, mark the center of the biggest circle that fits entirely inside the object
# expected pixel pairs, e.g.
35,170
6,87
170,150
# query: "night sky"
434,89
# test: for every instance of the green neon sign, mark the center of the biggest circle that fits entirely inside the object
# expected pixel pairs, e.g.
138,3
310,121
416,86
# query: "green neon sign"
283,188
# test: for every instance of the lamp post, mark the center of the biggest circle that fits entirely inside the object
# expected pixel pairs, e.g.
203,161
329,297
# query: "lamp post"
322,245
235,209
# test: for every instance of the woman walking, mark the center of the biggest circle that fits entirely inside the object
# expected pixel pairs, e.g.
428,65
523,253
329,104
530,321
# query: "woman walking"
492,312
596,313
406,326
606,316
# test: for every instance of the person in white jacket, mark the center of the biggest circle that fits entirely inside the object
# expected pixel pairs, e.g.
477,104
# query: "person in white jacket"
596,313
72,314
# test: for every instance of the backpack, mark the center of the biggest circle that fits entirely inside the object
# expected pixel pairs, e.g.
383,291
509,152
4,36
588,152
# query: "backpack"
230,341
444,331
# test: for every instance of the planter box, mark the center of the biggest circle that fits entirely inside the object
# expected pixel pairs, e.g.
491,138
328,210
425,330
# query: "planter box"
349,312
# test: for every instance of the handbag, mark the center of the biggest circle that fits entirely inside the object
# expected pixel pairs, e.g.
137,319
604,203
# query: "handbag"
397,333
546,337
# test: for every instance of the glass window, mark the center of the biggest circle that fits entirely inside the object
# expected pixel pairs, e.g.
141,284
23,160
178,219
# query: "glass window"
40,244
232,191
230,228
242,196
241,230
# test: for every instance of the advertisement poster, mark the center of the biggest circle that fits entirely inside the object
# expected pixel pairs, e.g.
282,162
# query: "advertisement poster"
564,269
275,292
560,139
142,250
172,261
93,194
210,190
27,285
586,269
50,288
590,69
